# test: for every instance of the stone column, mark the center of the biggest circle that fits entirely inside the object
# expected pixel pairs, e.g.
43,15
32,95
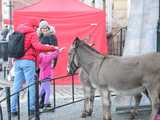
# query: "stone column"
129,7
149,29
109,15
142,30
134,33
142,27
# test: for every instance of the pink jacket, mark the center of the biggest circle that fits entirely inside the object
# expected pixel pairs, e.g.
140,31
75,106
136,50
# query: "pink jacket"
45,60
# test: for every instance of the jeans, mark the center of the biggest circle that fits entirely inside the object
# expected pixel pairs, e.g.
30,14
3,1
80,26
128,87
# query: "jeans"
24,70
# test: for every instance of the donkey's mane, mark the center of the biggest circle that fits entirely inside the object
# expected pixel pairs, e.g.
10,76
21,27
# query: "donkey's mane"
89,47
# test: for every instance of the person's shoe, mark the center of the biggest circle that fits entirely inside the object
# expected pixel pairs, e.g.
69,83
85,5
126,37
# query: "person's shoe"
41,106
32,112
41,101
53,109
14,113
47,105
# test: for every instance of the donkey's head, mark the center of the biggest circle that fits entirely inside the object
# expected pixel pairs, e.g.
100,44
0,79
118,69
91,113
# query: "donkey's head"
80,54
73,63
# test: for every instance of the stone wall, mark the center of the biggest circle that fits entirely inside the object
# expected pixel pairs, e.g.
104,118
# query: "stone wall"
120,14
119,11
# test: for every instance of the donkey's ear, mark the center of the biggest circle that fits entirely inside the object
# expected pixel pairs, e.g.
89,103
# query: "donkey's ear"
76,42
77,38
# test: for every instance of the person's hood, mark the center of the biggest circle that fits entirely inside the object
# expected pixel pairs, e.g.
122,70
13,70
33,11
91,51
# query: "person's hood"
24,28
29,26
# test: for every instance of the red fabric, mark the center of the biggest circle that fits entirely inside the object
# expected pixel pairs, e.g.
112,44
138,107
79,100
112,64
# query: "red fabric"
71,18
31,39
7,21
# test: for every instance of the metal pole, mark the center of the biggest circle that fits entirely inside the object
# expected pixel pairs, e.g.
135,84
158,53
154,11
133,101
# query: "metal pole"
73,88
54,93
7,90
5,73
1,113
28,104
120,42
158,31
37,100
18,105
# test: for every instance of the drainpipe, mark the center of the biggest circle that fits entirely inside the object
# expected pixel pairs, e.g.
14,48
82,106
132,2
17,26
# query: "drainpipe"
158,31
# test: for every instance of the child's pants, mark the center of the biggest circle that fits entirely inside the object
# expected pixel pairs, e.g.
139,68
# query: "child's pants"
45,88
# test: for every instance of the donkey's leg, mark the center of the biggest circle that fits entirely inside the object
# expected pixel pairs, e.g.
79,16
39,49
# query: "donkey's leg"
155,98
147,94
89,94
106,104
134,112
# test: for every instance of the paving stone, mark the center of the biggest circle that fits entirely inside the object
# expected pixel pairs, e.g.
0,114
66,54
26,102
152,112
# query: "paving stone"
72,111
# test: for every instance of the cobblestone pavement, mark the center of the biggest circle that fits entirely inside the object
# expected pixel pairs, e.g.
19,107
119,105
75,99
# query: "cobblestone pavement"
72,112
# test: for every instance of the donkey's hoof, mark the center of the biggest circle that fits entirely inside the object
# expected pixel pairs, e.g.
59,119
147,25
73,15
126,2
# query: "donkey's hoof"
107,119
132,116
85,114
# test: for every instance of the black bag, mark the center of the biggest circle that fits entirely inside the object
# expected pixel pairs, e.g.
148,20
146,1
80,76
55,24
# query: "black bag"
16,45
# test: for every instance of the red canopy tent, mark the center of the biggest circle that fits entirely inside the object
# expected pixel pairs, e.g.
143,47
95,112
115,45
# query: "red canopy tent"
71,18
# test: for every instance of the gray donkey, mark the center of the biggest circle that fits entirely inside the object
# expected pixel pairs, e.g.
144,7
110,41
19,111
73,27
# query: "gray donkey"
89,94
122,75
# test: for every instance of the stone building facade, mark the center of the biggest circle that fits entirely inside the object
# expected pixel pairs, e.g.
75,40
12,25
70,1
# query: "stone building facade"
16,4
120,13
117,10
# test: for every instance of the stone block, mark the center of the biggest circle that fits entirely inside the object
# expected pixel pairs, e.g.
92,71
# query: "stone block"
120,5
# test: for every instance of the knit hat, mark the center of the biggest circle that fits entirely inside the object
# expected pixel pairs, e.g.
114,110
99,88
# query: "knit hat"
43,24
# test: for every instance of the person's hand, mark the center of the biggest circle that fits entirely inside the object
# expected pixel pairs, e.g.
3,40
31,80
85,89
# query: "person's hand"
47,45
60,49
57,48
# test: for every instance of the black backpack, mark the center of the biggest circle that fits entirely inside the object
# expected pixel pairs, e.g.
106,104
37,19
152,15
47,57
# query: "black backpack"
16,45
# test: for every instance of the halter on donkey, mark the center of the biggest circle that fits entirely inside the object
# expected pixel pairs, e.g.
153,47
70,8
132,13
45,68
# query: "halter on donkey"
122,75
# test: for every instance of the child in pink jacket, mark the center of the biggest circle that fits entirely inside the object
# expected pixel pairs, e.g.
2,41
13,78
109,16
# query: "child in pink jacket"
46,73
